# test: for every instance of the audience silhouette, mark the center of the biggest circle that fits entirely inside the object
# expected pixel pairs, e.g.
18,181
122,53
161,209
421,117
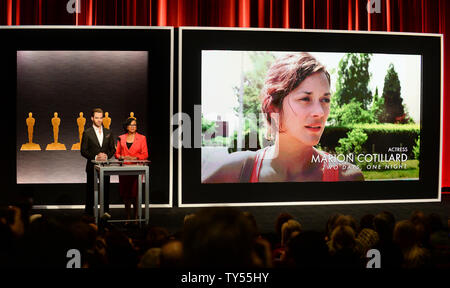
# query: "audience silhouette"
224,238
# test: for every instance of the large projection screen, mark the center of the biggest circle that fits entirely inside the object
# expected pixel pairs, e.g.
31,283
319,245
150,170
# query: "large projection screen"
358,129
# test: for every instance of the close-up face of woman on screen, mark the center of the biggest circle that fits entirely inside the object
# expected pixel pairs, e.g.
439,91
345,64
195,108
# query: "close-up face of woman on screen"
296,103
296,96
304,111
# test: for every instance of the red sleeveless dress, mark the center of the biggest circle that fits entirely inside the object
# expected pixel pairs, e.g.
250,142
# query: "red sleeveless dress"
330,170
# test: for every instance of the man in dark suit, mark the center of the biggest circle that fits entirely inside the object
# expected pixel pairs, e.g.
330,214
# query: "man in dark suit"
97,143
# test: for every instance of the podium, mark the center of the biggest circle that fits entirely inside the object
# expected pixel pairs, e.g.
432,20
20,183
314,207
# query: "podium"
120,167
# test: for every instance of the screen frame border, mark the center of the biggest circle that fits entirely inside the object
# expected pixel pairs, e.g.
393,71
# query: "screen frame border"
13,185
295,203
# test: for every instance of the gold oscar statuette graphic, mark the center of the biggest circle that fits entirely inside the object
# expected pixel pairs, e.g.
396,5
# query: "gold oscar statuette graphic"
132,115
106,120
55,145
30,146
81,121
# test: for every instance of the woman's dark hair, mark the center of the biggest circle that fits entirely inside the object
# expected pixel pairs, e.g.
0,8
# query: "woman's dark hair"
285,74
128,123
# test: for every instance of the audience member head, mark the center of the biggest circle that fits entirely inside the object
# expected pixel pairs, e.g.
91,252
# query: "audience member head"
263,253
172,254
281,219
389,216
119,251
366,222
384,226
405,234
342,237
25,204
367,239
307,249
417,217
6,240
219,237
288,230
12,217
47,241
331,225
83,238
151,258
420,222
346,220
188,218
435,223
156,236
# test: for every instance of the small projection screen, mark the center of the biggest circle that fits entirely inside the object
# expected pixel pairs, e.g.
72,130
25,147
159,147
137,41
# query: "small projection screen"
57,76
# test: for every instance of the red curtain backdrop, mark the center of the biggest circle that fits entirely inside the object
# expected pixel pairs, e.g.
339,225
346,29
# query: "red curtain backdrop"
423,16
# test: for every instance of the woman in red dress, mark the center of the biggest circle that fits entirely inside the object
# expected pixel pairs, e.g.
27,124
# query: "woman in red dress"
130,146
